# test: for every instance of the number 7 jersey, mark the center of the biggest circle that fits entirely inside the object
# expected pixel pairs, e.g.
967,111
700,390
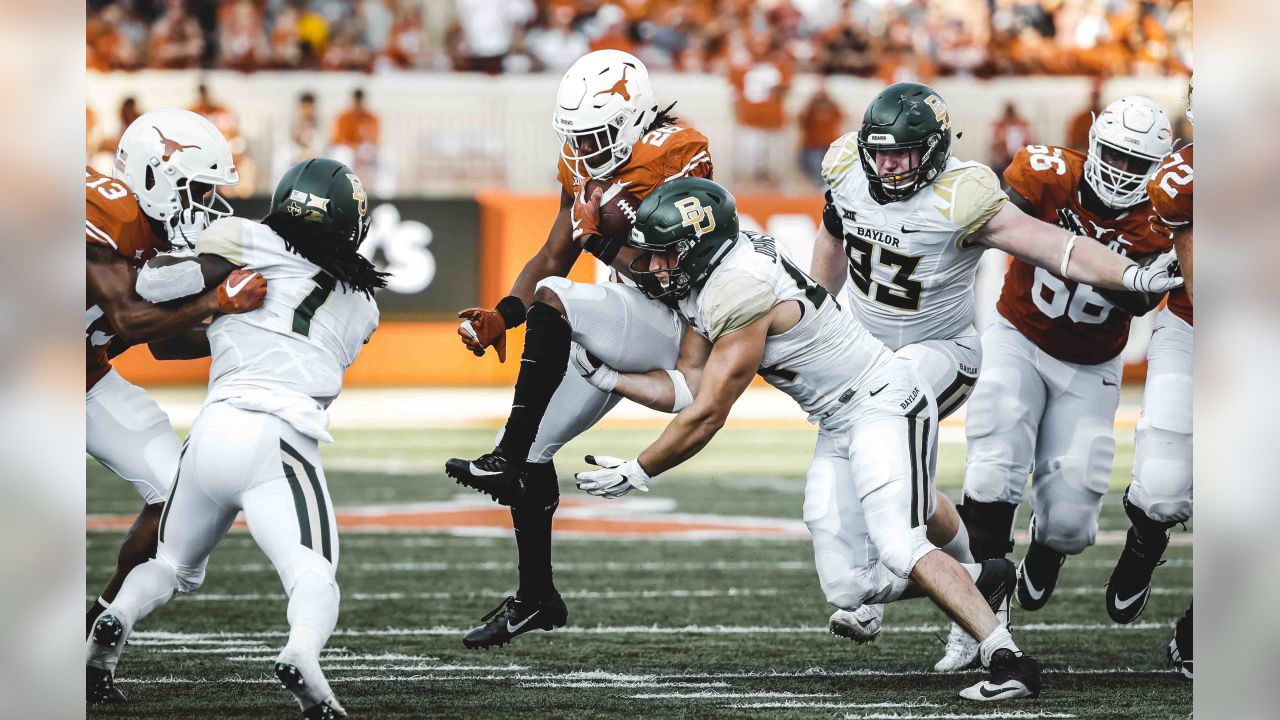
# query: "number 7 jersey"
288,357
912,264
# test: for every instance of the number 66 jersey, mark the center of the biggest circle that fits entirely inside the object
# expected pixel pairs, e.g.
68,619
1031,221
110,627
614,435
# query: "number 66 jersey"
288,357
1070,321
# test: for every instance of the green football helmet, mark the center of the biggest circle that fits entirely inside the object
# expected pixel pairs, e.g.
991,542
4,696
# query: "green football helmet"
326,195
694,218
905,116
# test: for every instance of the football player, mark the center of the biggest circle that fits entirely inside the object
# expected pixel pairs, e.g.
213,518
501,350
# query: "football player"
870,487
1046,401
1159,496
255,444
907,223
608,120
168,166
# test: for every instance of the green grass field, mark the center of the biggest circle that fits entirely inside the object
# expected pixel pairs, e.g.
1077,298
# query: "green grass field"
658,628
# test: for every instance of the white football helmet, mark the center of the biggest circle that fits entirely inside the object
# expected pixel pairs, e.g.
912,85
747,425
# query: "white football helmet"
1126,142
603,106
160,157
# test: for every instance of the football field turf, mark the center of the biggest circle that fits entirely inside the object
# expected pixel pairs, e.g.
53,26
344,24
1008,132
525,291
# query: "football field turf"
698,599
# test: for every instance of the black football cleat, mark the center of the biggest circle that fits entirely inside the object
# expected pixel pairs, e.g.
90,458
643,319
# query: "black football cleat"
492,474
100,688
996,582
1012,676
1129,587
1180,646
517,616
1038,575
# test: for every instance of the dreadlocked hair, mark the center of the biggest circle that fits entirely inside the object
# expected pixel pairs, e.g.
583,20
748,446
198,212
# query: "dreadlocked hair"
329,248
664,118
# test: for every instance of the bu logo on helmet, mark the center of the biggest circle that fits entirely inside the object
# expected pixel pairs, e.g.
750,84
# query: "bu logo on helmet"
696,215
619,88
171,146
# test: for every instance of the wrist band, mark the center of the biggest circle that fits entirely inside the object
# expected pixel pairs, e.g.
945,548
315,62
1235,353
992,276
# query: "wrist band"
683,396
1066,256
512,310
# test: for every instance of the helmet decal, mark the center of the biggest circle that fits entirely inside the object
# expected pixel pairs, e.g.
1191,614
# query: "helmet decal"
619,88
696,215
939,108
357,192
171,146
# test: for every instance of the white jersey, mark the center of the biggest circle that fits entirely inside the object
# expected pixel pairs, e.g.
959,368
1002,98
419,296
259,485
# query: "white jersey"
911,265
287,357
820,360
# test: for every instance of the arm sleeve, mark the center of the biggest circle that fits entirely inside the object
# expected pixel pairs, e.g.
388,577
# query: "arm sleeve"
841,160
225,238
734,300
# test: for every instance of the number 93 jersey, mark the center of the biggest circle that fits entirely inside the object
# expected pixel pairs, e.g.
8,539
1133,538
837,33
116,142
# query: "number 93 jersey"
287,357
818,361
1068,320
911,263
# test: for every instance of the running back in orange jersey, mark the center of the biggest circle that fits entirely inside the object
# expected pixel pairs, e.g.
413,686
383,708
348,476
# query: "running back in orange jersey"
665,152
1170,192
112,219
1070,321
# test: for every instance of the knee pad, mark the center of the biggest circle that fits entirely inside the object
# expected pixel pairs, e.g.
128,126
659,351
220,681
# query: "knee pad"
306,565
990,527
1067,501
1162,474
900,552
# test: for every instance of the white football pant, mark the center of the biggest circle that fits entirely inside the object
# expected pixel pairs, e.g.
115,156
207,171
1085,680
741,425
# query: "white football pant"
1161,485
243,460
1033,413
622,327
870,489
950,367
126,431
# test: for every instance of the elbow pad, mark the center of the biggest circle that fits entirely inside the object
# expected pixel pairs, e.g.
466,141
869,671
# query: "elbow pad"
170,282
684,398
604,250
831,218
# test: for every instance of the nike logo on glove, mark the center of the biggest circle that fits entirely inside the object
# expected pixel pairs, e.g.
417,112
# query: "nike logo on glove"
233,290
515,628
1124,604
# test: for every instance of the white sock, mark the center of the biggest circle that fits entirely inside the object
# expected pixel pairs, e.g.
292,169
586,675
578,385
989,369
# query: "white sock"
146,588
958,546
974,569
313,613
995,641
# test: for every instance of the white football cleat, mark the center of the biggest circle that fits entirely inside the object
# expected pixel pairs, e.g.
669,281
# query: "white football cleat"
961,652
862,625
1013,676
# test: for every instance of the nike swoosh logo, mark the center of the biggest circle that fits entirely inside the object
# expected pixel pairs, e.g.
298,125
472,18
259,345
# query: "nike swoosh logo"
966,347
1109,384
873,393
481,473
515,628
906,230
233,290
1035,592
1124,604
994,693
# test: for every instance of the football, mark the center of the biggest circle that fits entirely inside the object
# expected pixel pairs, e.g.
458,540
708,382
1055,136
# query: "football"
617,208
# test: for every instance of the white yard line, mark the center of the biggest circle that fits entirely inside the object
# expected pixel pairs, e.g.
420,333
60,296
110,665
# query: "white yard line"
1008,715
716,695
784,705
580,685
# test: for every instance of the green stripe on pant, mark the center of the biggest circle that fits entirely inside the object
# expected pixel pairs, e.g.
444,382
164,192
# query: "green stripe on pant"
299,499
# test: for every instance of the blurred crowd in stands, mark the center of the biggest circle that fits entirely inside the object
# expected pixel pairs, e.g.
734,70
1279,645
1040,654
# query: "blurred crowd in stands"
889,39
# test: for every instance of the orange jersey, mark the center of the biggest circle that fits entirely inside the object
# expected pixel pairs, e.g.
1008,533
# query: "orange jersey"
1170,193
666,152
113,219
1071,322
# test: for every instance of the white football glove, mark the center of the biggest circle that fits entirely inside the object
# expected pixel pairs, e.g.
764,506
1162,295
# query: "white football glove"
1158,277
593,369
616,478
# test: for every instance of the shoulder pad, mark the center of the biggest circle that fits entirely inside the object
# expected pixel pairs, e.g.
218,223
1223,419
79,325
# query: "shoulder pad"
840,160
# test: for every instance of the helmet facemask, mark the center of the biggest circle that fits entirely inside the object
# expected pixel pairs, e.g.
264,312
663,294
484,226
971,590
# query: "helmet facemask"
898,186
201,205
595,151
667,282
1117,176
